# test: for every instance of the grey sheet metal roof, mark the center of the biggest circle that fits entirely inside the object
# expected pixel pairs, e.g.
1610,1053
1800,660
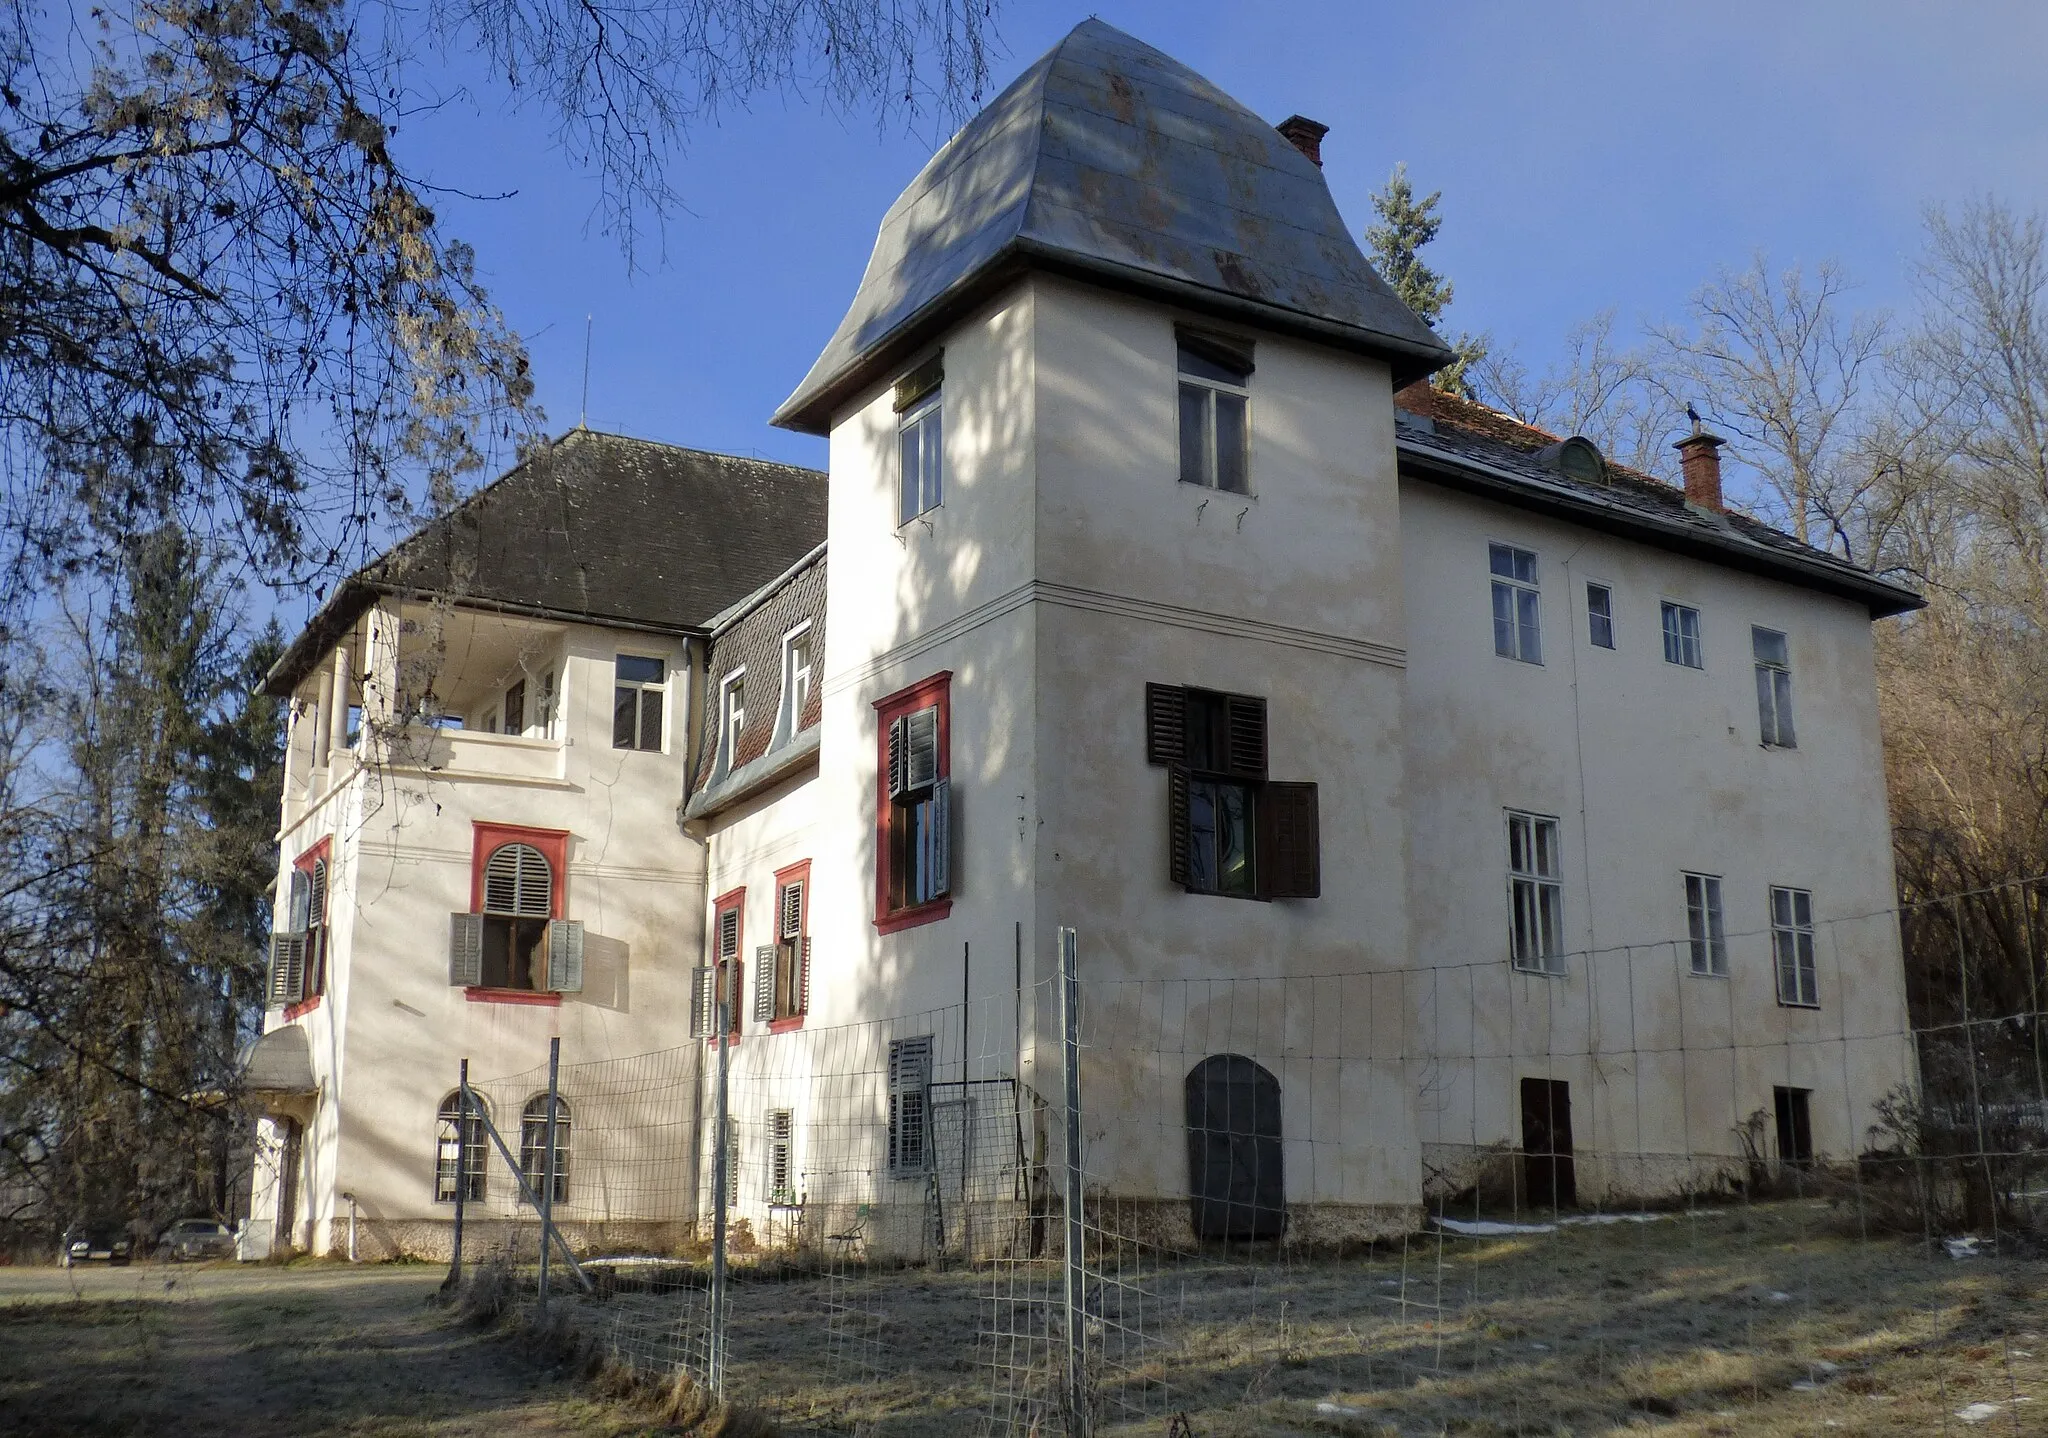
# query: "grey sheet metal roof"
1110,160
595,528
1478,460
279,1064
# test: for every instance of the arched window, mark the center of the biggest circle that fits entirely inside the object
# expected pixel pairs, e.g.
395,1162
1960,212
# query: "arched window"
519,897
533,1144
462,1158
1237,1187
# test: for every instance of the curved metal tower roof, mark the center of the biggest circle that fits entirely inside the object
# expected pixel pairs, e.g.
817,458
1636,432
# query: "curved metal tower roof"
1114,162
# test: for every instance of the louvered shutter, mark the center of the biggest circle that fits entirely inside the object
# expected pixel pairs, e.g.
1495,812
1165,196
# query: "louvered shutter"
702,1001
465,950
1166,724
300,908
792,910
921,736
728,934
518,881
1290,842
295,978
898,758
803,979
316,905
942,838
287,968
1179,841
565,956
1244,720
764,984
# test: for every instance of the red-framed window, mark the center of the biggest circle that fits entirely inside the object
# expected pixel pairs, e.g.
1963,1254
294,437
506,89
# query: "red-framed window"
299,965
782,994
914,804
517,890
723,980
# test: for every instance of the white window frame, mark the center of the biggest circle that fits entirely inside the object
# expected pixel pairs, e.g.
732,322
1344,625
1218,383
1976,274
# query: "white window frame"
1522,637
661,686
919,494
1705,927
790,712
1208,468
548,702
1594,618
1675,637
732,717
1535,892
1792,955
1773,690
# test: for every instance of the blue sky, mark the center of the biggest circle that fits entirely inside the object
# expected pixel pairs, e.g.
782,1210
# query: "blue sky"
1590,155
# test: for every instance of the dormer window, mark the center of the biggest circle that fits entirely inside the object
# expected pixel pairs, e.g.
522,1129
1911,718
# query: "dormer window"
1215,430
732,717
796,683
920,436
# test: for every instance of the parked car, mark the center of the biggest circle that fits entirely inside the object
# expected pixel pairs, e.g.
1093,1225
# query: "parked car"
96,1242
196,1238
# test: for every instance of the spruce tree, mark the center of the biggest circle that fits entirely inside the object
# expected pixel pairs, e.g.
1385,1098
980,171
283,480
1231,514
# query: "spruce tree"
1406,225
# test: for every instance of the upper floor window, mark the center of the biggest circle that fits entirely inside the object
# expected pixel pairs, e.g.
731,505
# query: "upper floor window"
1230,829
515,707
732,718
1517,615
514,937
718,984
1682,635
920,441
782,977
1535,893
1773,687
1792,947
914,829
639,684
1706,933
1215,397
796,682
546,717
1600,615
298,953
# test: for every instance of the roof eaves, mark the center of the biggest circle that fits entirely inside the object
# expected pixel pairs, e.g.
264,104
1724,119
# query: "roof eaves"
1726,546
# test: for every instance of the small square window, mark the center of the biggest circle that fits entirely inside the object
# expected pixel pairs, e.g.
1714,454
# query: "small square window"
1682,635
1517,617
1600,615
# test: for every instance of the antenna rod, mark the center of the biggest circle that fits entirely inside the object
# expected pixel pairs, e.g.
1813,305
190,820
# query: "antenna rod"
583,416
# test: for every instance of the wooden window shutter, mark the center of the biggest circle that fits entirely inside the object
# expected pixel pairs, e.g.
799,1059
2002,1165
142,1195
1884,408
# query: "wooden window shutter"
792,910
565,956
728,934
465,950
702,1001
287,968
803,980
316,907
942,838
1179,841
517,880
898,759
1290,856
1166,724
920,382
921,762
1245,724
764,984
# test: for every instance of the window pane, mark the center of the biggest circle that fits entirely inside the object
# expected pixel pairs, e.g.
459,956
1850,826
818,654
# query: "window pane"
1769,646
1504,621
1501,560
1525,566
1782,679
907,474
1202,837
1234,839
1194,438
1202,366
1530,637
1232,460
650,718
1518,843
1553,921
1600,615
932,454
638,669
625,704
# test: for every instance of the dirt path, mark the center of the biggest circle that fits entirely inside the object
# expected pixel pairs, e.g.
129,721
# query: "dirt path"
307,1352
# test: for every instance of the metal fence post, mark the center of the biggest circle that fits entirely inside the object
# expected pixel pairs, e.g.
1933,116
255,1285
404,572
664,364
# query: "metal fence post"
720,1183
547,1189
461,1173
1077,1277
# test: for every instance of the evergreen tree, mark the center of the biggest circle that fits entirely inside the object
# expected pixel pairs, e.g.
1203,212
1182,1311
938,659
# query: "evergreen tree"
1406,225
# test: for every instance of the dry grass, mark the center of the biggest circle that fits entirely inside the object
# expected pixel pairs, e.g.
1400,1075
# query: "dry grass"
1768,1320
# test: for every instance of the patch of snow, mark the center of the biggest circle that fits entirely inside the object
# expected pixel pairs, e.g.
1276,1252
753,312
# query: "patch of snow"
1340,1410
1806,1385
1781,1298
1979,1412
1540,1347
1969,1246
1488,1228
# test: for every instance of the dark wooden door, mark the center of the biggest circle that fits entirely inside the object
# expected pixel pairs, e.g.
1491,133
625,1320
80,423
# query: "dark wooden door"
1549,1177
1237,1188
288,1185
1795,1126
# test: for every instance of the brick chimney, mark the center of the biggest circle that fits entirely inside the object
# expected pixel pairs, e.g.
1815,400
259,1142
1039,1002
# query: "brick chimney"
1699,455
1305,135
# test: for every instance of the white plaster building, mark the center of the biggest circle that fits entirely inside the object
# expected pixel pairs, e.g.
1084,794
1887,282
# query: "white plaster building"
1163,604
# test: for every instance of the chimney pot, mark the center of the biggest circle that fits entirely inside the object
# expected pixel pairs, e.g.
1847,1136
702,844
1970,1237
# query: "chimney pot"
1305,135
1699,455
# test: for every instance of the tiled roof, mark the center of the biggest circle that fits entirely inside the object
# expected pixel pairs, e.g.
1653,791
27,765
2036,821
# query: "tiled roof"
1112,161
1481,450
598,528
749,636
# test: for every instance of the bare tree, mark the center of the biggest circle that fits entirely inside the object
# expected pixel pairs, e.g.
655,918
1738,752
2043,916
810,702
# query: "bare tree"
1612,395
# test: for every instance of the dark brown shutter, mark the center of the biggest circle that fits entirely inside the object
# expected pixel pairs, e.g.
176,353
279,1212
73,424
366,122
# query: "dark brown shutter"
1245,721
1290,852
1166,724
1179,862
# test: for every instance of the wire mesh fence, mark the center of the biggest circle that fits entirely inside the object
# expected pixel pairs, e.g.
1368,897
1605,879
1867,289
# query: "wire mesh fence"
1627,1187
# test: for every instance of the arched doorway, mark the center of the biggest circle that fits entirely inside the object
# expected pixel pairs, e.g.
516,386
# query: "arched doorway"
1237,1187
